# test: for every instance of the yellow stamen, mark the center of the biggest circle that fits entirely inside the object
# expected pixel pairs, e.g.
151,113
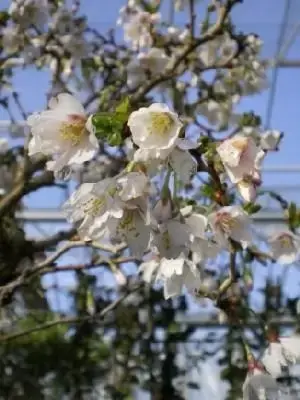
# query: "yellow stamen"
240,144
286,241
74,130
225,222
93,206
127,222
161,123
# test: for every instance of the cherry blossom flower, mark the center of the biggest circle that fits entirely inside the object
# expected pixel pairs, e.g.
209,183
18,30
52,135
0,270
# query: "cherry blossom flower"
202,247
155,60
92,205
103,206
176,156
29,12
270,140
64,132
155,127
239,156
280,354
258,384
181,161
137,26
172,239
3,145
231,222
132,185
134,227
174,273
285,247
247,187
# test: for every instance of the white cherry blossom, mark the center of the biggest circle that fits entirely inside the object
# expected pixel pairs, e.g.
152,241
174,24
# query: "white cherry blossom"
258,384
178,273
181,160
137,27
176,156
64,132
172,239
29,12
231,222
162,210
155,127
247,187
134,227
270,140
285,247
3,145
155,60
92,205
174,273
132,185
280,354
202,247
135,74
239,156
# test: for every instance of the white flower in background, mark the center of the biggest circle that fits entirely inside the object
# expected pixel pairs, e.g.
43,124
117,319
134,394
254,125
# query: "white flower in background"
280,354
64,132
285,247
270,140
137,27
104,206
162,210
174,273
132,185
178,273
239,156
217,50
3,145
134,227
92,205
177,34
219,113
29,12
135,74
172,239
176,156
155,60
148,269
155,127
201,246
12,39
247,187
231,222
258,384
181,160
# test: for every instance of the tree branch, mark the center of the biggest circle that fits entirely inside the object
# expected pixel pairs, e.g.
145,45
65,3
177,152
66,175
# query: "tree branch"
72,320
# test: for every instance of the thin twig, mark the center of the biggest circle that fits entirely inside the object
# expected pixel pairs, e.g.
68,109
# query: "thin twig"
71,320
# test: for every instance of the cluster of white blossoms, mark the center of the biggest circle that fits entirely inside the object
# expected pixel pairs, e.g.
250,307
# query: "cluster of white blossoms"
127,207
137,25
260,382
44,34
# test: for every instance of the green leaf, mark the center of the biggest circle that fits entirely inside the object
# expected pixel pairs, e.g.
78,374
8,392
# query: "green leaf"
109,126
251,208
293,216
124,107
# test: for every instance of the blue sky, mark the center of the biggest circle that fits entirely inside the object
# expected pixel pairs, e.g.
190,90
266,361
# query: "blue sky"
258,16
